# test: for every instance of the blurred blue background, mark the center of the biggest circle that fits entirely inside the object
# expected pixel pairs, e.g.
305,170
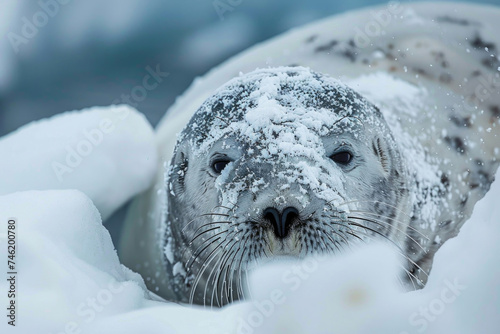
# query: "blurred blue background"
83,53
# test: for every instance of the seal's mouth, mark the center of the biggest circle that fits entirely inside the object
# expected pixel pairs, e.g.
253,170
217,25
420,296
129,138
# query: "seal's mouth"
290,246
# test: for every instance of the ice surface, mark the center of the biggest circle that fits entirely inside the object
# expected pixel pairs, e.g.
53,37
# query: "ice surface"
106,152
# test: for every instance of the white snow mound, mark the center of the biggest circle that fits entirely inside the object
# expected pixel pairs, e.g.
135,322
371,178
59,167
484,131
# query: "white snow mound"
109,153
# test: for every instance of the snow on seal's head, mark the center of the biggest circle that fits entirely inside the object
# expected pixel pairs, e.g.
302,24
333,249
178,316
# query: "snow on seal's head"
278,162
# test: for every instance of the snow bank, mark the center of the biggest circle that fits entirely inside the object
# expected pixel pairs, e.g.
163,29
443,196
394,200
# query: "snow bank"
69,276
106,152
65,262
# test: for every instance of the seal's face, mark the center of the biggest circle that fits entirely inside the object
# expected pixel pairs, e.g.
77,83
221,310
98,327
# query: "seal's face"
281,162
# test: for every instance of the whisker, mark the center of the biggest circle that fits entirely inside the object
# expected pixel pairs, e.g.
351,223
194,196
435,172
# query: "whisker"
197,253
380,223
204,266
233,271
220,270
393,219
220,249
208,224
204,215
227,256
224,207
202,233
379,202
240,276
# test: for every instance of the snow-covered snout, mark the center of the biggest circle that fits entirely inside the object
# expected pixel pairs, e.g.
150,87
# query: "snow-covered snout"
280,162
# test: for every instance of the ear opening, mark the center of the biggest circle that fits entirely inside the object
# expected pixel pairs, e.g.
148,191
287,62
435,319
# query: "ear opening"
179,170
381,151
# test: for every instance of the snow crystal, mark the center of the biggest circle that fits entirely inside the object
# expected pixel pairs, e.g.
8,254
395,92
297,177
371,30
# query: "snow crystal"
179,269
168,251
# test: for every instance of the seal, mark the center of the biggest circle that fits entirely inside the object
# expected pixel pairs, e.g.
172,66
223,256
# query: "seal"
288,161
279,162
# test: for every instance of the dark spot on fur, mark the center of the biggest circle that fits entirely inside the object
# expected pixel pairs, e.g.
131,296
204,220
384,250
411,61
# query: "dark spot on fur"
495,111
346,49
445,223
453,20
326,47
445,78
476,73
463,200
390,46
480,44
491,62
445,181
479,178
438,55
350,54
456,143
311,39
461,121
420,71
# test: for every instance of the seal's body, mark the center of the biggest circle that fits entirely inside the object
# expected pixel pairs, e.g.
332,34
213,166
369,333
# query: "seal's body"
290,162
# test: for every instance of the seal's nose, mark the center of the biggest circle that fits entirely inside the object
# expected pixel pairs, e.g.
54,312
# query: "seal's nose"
281,221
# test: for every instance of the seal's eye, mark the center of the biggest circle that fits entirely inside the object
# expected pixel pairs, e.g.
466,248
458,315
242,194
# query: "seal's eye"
342,158
219,165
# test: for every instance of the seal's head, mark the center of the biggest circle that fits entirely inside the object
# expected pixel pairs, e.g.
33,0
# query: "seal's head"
278,162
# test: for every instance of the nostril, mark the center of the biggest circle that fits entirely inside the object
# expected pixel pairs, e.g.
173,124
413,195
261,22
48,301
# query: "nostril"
272,215
289,215
281,222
